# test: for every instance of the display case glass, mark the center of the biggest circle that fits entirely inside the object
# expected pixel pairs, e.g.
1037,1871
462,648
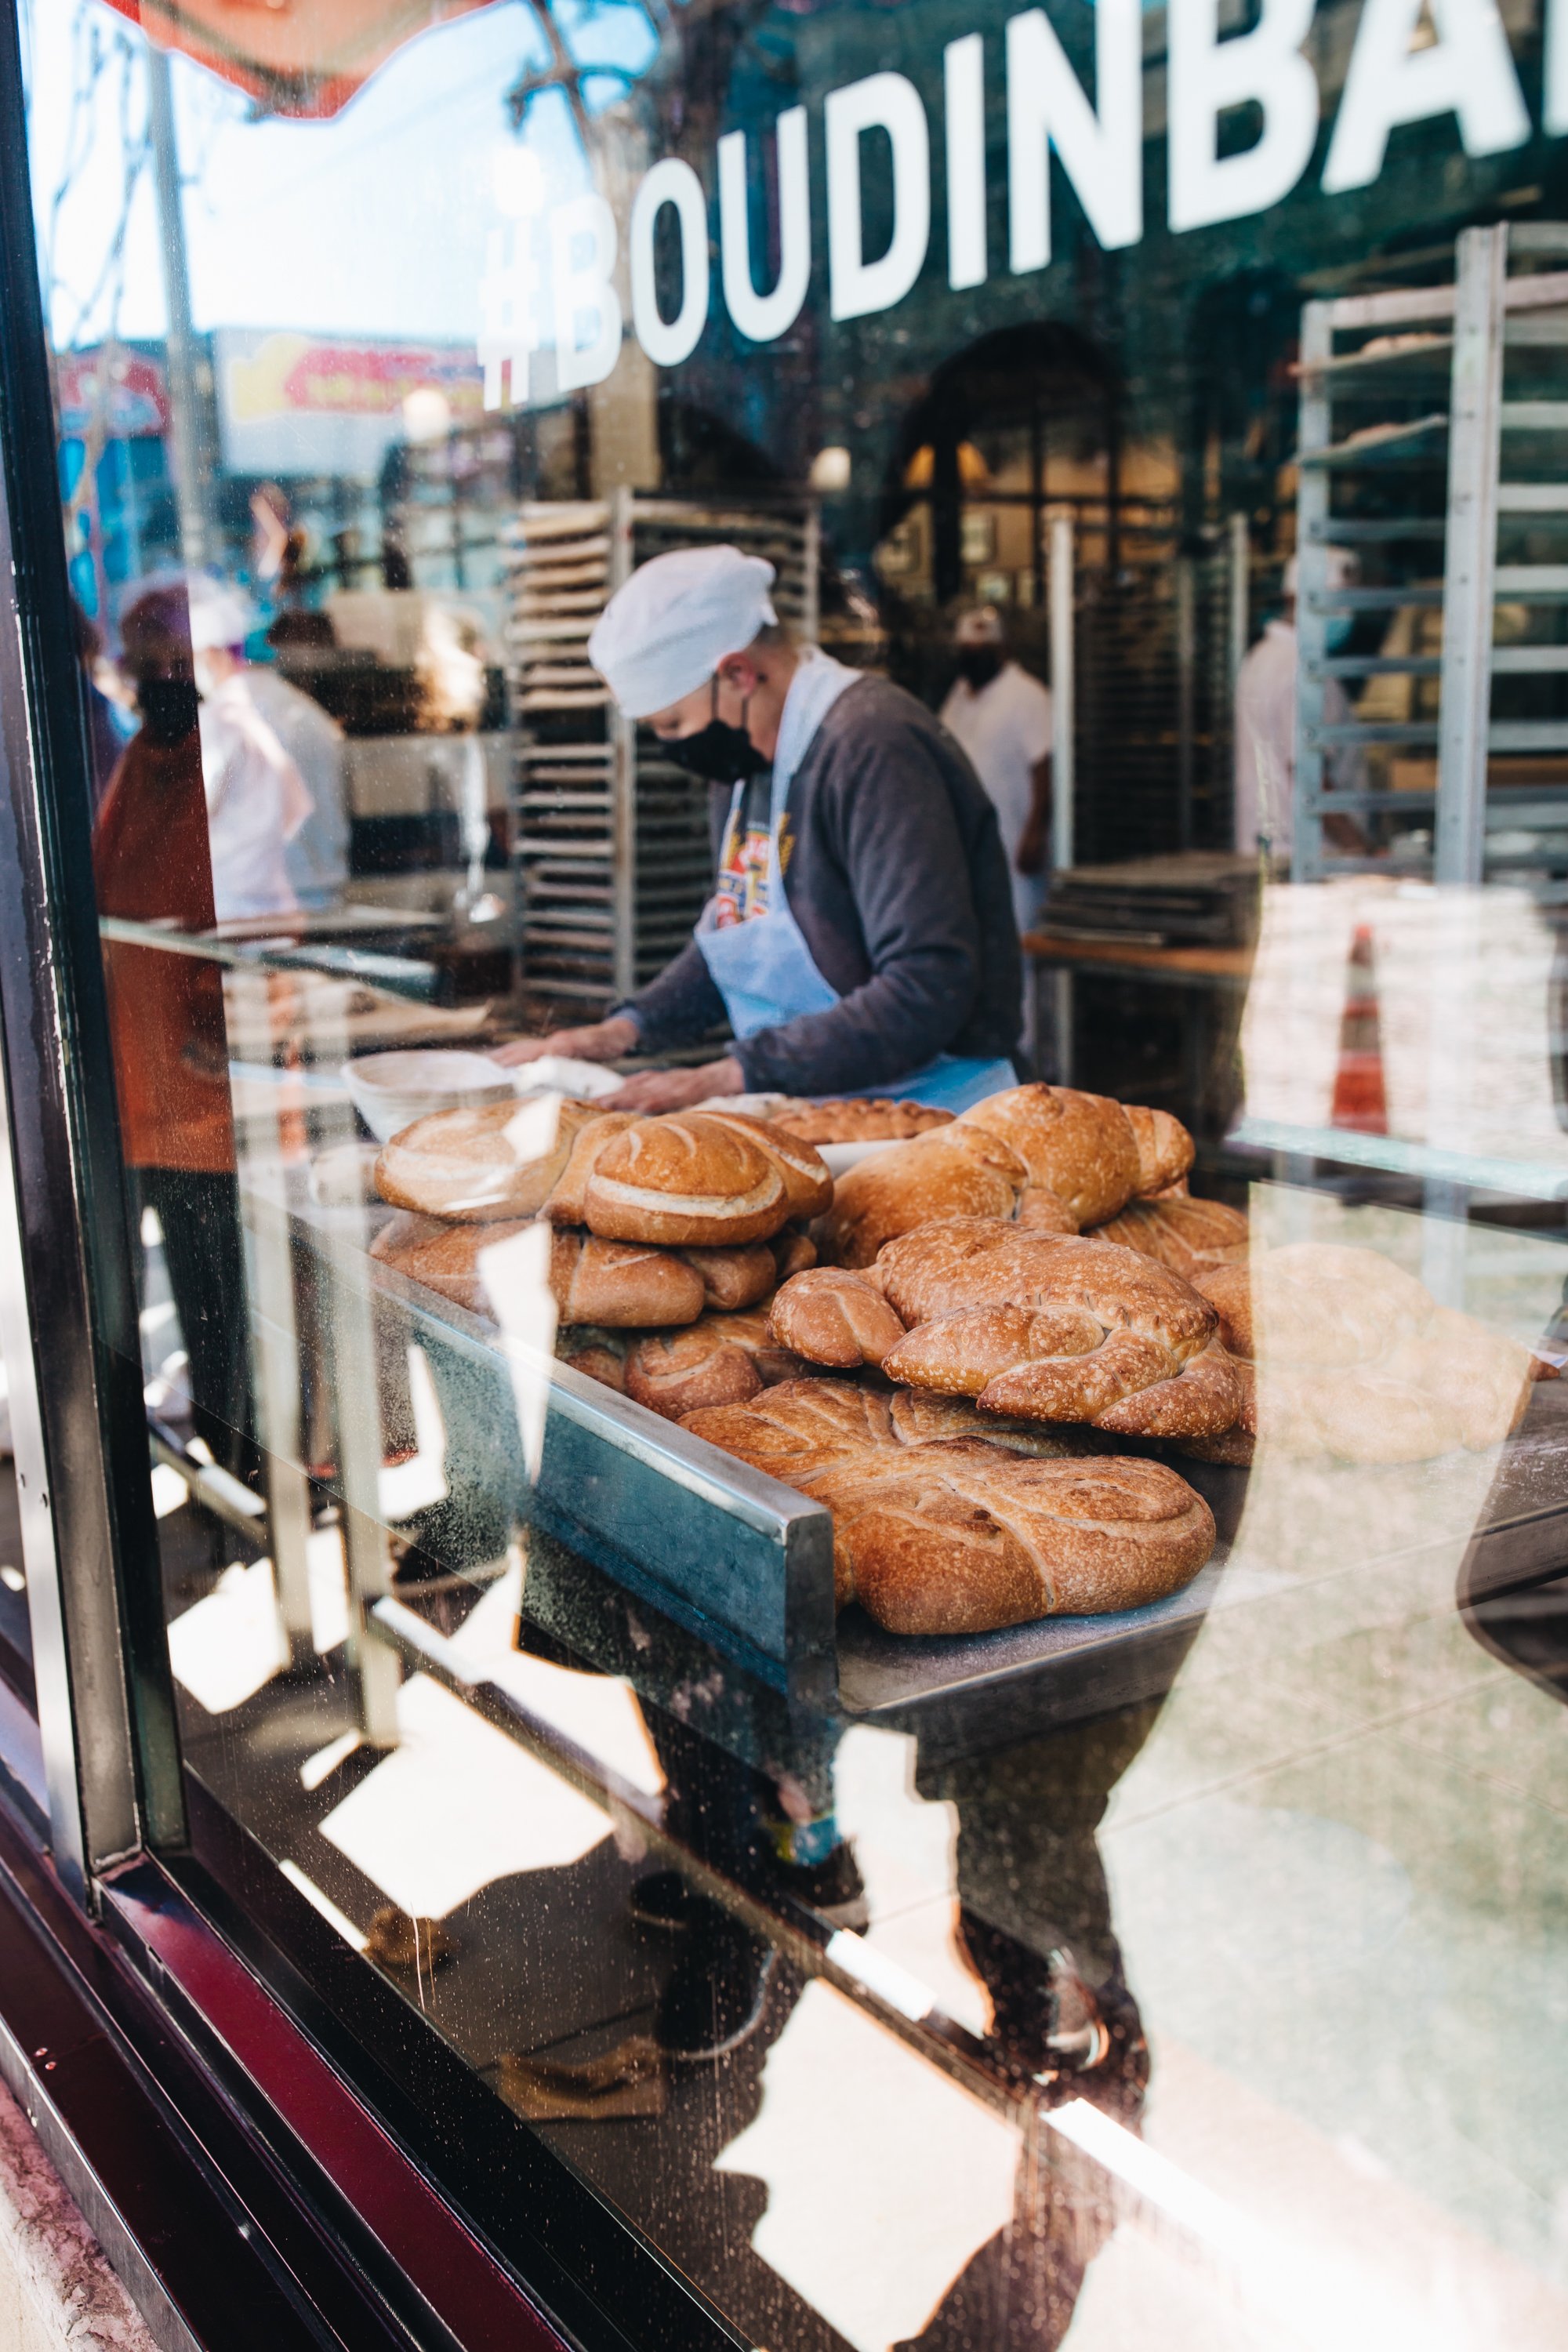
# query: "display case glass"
1007,1791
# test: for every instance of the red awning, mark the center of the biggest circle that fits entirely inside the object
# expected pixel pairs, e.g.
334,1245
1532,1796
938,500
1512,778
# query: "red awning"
294,56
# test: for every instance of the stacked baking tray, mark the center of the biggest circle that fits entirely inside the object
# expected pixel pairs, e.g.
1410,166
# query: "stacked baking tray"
613,843
1196,897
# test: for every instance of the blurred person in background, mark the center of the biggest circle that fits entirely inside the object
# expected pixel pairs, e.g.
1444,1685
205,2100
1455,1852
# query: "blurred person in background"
1266,726
104,740
152,865
257,799
316,857
1001,718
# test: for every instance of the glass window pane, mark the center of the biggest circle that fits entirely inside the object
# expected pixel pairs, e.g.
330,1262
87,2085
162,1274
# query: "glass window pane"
966,1730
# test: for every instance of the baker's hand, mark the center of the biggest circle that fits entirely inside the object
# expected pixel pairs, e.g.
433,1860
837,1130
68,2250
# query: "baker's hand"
604,1040
676,1089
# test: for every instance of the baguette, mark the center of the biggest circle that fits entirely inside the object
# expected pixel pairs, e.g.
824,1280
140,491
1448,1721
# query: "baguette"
962,1535
495,1161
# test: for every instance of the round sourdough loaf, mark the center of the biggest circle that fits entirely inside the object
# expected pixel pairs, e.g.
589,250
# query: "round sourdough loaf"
695,1178
498,1161
443,1257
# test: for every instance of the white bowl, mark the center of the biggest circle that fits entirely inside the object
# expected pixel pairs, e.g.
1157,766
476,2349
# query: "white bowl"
390,1091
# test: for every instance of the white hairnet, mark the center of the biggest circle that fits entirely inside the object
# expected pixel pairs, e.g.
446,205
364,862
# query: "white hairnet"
220,615
670,627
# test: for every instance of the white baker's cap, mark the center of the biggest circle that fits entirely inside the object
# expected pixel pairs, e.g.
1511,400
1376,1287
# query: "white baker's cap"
667,630
220,615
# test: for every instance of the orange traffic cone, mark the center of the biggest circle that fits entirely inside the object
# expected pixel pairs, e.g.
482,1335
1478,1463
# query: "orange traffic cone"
1360,1099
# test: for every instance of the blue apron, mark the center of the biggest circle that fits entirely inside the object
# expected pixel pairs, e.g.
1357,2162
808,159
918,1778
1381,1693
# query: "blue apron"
764,969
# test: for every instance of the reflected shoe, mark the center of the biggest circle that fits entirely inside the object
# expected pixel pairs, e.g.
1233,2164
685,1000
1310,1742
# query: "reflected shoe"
716,1993
833,1888
664,1902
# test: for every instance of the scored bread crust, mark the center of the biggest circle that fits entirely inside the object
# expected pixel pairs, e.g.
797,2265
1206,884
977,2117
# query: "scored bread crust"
1192,1237
831,1316
962,1535
858,1119
441,1255
719,1360
481,1164
808,1179
691,1178
1032,1327
1054,1158
734,1277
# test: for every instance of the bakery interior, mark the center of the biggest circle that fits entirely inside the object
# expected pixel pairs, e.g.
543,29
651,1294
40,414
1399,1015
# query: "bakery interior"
963,1736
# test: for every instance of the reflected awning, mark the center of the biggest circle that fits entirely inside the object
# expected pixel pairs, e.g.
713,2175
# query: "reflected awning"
304,57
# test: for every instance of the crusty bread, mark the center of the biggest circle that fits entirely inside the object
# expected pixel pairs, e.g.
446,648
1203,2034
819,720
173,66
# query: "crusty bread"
793,1251
1051,1158
687,1178
498,1161
806,1178
857,1120
734,1277
1082,1148
920,1417
627,1286
831,1316
567,1204
589,1347
1033,1326
953,1171
1192,1237
719,1360
964,1536
442,1256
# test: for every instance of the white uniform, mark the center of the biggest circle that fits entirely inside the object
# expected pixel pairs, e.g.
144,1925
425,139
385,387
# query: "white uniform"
1005,729
257,802
1265,740
317,857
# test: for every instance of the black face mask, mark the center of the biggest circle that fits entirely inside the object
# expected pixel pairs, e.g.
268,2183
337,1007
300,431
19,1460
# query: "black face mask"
725,754
170,709
978,665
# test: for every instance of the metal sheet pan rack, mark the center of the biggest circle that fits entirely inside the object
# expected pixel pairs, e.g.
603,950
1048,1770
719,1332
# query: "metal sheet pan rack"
613,844
1406,433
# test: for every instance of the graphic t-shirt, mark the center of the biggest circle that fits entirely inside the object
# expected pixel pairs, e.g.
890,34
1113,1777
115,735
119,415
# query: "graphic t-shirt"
742,887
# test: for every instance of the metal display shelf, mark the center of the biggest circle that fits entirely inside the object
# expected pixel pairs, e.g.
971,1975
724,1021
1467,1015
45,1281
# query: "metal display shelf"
1524,1179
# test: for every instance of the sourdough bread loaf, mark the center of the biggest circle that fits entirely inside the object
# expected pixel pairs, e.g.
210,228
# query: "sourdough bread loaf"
697,1177
1034,1326
483,1165
961,1535
857,1120
719,1360
1192,1237
1051,1158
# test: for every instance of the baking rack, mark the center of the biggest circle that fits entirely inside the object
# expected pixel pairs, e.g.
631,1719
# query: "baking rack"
613,844
1404,427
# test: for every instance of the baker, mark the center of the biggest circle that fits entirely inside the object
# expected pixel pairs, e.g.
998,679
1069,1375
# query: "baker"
860,938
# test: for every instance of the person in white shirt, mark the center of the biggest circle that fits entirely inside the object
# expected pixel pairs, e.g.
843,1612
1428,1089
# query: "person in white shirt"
1002,719
1265,727
317,857
257,799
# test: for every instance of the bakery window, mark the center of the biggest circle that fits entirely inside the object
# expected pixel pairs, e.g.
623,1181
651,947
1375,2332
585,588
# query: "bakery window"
796,811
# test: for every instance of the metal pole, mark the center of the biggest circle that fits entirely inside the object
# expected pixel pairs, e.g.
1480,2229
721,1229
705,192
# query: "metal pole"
1240,614
624,777
1063,726
1470,554
1186,664
1062,720
185,435
1312,574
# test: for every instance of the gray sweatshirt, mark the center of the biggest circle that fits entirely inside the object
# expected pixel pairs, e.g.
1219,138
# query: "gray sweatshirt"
898,881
